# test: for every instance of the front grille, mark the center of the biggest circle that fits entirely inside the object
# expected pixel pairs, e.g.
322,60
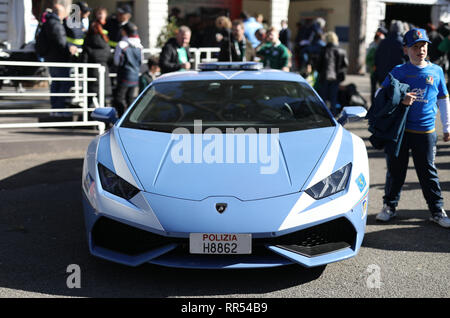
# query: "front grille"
317,240
125,239
321,239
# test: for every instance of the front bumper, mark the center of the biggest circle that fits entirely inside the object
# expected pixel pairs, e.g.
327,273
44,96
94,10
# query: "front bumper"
131,242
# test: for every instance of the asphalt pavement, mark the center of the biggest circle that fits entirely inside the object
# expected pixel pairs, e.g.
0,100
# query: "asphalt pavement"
42,234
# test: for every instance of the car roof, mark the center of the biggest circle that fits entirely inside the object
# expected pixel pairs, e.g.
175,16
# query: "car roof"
263,74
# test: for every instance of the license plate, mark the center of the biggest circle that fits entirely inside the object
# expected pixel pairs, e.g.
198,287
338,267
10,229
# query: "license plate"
229,244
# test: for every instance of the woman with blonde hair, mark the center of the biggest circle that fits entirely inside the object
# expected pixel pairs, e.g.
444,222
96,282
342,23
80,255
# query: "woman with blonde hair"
331,38
223,26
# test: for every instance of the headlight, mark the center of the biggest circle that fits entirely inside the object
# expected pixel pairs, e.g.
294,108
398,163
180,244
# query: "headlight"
335,183
115,184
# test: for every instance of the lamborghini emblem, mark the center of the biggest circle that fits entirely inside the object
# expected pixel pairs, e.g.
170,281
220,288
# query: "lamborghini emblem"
221,207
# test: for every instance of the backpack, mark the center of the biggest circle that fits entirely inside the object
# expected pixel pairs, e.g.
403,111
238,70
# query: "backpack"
42,45
129,67
349,96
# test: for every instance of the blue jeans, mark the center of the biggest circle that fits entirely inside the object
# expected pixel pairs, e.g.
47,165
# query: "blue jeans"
423,150
59,86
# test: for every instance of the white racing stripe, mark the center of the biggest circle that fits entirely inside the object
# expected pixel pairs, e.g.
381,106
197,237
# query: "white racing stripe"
300,214
328,163
120,165
151,220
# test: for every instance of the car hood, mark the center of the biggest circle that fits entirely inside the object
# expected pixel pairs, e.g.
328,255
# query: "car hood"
196,167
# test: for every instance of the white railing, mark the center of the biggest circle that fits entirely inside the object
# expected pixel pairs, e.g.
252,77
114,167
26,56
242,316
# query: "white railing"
196,59
80,93
196,52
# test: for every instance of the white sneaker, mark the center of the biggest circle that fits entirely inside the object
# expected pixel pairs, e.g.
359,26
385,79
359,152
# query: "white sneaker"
386,214
441,218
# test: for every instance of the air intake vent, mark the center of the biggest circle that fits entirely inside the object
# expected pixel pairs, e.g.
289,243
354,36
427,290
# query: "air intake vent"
125,239
318,240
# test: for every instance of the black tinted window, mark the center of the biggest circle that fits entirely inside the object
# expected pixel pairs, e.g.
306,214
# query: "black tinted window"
287,106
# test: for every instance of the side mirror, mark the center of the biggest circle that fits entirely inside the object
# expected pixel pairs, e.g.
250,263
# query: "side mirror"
352,114
107,115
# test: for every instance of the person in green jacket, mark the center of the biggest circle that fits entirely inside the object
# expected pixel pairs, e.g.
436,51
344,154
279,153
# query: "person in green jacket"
273,53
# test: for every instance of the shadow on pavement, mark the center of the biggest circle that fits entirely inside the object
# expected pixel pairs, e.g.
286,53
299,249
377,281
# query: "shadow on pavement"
410,231
42,233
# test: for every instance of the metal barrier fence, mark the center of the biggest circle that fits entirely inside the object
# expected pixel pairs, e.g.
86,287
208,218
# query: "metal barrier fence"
196,52
80,79
80,88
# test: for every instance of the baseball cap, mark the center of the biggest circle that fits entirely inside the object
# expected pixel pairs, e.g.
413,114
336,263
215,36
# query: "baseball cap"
125,9
382,30
84,7
415,35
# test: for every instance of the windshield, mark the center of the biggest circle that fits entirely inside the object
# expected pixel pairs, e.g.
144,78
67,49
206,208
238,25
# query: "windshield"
287,106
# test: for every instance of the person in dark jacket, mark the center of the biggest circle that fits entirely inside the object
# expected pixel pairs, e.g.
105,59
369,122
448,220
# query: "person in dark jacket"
128,59
75,30
370,62
116,23
389,52
175,55
444,47
239,49
332,67
96,50
387,117
74,33
223,29
436,56
285,35
59,50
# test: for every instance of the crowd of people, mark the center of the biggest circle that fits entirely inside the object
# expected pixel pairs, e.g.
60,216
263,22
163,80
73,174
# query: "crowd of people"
110,41
113,41
314,53
244,39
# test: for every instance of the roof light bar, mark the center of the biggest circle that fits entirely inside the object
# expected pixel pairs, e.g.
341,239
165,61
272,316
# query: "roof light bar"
233,66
